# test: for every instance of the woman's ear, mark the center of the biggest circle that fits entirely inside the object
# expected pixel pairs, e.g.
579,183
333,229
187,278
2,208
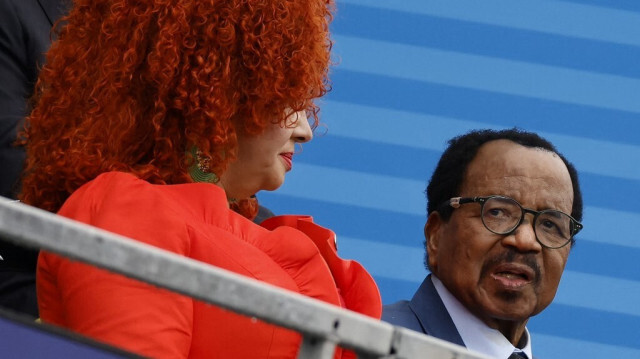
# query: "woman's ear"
432,234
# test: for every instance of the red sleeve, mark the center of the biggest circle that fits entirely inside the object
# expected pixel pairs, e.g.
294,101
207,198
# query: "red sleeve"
357,288
110,307
358,291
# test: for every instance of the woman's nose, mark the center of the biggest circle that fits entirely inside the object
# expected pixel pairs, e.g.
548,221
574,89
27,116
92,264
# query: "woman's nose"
302,132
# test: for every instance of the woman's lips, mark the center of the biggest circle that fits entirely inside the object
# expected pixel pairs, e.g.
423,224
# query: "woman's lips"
287,157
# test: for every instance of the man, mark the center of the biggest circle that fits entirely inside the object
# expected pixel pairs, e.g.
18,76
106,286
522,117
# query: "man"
504,207
25,27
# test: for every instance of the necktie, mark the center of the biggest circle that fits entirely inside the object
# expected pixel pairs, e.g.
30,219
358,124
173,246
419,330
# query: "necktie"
518,354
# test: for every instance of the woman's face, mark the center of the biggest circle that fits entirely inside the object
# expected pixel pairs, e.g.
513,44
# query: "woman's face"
263,160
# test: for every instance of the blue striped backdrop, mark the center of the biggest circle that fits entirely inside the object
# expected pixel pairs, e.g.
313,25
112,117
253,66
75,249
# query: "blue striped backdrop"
410,74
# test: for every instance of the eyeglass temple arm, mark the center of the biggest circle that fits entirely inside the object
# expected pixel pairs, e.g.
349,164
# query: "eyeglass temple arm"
455,202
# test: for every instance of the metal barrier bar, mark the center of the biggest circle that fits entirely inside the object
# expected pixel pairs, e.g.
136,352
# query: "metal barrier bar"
322,325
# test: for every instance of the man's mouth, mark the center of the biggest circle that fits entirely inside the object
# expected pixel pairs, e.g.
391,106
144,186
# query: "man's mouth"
513,275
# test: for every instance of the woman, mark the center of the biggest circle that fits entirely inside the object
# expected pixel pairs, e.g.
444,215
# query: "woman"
154,118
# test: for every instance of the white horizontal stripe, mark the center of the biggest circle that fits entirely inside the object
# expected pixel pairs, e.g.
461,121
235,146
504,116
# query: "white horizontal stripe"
608,226
384,259
551,347
355,188
599,292
487,73
576,289
393,127
432,132
567,19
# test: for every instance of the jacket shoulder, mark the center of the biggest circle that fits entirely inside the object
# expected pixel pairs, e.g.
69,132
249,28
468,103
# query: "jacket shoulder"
401,314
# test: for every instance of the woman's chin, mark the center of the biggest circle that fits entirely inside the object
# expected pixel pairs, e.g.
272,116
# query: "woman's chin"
273,184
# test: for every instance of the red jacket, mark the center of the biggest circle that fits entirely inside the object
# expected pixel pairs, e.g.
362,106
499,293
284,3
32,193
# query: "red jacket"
193,220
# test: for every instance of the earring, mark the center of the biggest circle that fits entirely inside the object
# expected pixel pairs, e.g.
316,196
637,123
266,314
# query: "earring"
199,170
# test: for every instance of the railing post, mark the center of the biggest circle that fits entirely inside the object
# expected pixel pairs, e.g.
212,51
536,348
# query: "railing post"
316,348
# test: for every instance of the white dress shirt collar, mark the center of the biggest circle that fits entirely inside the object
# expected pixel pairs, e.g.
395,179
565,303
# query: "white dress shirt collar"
475,334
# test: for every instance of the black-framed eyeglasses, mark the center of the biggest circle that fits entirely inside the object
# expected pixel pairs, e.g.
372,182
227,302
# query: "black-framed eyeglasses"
503,215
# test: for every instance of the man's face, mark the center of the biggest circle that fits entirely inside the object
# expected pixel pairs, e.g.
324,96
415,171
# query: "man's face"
502,277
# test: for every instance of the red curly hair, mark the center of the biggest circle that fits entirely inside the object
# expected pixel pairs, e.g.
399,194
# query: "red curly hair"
132,85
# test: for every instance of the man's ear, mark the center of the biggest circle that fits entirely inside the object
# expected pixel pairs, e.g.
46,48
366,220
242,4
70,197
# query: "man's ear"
432,234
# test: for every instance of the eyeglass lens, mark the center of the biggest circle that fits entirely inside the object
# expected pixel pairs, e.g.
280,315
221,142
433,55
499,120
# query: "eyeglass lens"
502,215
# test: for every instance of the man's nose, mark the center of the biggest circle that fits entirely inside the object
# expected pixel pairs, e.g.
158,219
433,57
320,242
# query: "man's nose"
524,237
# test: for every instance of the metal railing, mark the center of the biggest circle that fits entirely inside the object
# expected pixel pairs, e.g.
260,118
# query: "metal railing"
323,326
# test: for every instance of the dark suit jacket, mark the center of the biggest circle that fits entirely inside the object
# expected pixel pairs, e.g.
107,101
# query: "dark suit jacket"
25,26
425,313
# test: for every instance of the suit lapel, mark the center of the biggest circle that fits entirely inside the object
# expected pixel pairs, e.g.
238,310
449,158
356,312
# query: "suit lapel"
54,9
432,314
